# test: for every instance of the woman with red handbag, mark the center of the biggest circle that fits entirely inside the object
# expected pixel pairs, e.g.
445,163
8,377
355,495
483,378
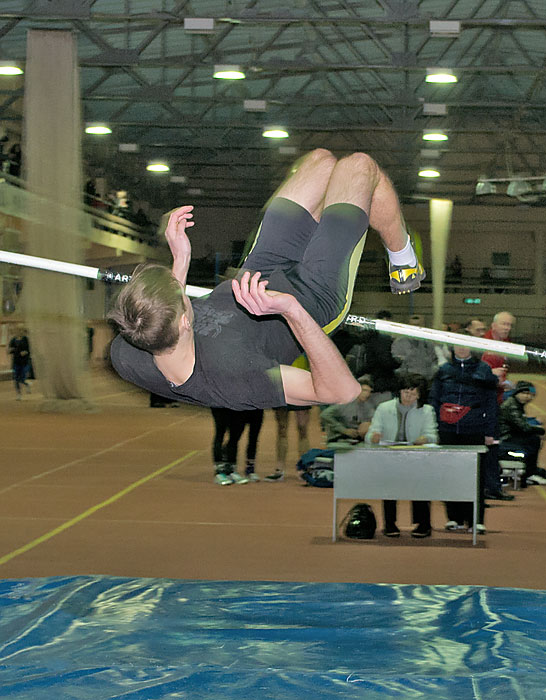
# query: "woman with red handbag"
463,394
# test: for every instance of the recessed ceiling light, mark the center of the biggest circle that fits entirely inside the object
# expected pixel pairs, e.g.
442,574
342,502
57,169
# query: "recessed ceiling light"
275,132
228,72
157,167
9,68
440,75
434,135
96,128
428,172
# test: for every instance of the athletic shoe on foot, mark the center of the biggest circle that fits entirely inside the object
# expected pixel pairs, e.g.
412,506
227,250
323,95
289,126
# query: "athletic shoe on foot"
252,476
406,278
276,476
421,531
391,531
536,480
453,525
480,529
222,479
237,478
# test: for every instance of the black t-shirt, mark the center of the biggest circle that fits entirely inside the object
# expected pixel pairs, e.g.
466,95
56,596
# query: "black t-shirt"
237,356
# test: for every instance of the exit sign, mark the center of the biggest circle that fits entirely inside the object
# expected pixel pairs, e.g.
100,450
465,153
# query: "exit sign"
472,300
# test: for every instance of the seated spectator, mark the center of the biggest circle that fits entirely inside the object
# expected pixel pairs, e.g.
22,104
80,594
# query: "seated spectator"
519,433
409,419
350,421
463,396
415,356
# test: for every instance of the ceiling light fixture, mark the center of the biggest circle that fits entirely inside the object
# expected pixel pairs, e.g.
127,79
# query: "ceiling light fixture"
440,75
97,128
199,25
432,153
444,28
434,108
157,167
485,188
228,72
10,68
516,188
255,105
428,172
275,132
434,135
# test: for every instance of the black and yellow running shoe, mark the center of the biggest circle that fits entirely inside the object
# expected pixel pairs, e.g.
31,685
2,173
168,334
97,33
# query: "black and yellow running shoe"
406,278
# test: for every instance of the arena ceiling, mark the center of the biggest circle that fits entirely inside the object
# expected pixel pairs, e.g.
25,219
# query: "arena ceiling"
338,74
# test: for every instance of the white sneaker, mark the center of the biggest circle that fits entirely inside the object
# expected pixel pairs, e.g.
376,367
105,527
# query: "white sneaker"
237,478
276,476
536,480
252,476
222,479
480,529
453,525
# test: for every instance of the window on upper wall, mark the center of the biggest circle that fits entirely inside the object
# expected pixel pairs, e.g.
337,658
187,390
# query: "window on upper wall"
500,259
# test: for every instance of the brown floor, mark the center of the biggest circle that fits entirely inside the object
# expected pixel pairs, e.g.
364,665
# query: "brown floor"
128,491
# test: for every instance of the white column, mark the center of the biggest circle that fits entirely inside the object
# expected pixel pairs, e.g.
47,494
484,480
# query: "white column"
440,225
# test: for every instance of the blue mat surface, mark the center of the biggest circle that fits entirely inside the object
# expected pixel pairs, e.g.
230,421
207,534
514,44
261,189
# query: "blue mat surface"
98,637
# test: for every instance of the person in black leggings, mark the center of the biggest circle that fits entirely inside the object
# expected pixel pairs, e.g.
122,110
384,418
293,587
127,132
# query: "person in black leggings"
225,455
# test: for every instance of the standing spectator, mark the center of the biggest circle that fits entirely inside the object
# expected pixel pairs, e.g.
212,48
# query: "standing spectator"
14,160
463,396
350,421
373,357
519,433
500,330
225,456
415,356
20,361
282,415
405,419
475,327
282,418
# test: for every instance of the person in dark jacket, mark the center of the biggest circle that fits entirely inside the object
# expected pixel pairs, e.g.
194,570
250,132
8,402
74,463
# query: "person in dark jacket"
463,395
519,433
373,356
20,361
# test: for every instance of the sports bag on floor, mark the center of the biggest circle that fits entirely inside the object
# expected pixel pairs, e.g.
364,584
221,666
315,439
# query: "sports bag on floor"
360,523
316,467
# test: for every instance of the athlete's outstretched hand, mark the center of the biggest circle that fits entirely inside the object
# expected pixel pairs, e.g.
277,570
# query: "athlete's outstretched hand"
179,220
175,233
251,293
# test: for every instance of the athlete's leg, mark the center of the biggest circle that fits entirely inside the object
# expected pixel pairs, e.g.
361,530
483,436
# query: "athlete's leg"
325,278
291,216
380,200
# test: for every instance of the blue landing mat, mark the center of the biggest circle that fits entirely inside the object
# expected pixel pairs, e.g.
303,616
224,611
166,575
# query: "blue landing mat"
98,637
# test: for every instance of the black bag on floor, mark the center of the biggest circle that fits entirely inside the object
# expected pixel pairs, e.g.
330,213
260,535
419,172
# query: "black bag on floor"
360,523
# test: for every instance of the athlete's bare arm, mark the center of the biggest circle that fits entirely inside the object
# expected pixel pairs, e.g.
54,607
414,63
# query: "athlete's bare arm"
179,243
330,380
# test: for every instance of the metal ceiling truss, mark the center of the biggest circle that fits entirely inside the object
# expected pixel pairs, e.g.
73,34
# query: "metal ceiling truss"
339,74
